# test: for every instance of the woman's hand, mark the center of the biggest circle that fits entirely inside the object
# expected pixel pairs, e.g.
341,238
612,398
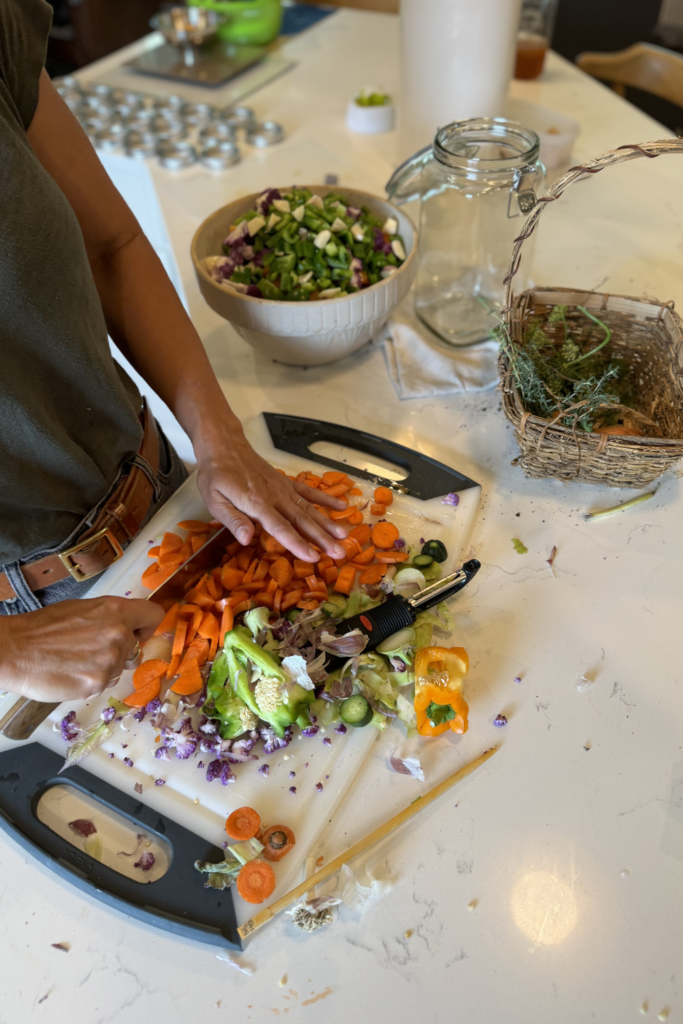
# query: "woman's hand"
74,649
239,486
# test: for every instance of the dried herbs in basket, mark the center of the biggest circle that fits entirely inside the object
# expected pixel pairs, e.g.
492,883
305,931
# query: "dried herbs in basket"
592,382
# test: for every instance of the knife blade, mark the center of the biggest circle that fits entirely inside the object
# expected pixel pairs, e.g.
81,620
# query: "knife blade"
25,715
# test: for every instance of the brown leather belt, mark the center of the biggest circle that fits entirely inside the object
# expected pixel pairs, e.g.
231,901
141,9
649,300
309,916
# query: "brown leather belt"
118,522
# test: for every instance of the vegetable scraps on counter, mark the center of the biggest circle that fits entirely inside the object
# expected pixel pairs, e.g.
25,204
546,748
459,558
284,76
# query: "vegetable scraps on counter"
298,247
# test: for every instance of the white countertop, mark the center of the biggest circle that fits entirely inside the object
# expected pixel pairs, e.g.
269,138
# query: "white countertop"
570,840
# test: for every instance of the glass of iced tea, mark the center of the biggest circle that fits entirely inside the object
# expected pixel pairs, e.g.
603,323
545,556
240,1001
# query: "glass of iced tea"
536,23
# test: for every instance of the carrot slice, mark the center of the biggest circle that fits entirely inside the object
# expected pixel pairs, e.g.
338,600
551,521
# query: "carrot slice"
330,575
291,599
389,557
383,496
237,597
154,552
338,490
303,569
190,681
377,510
139,698
277,840
249,574
277,601
150,570
356,517
351,546
345,579
231,578
243,824
168,623
215,587
332,477
170,542
361,534
272,587
373,574
227,622
197,541
244,558
270,544
264,599
194,526
365,557
173,558
179,638
355,491
157,578
261,571
256,881
308,605
384,534
245,606
343,513
282,572
148,671
203,601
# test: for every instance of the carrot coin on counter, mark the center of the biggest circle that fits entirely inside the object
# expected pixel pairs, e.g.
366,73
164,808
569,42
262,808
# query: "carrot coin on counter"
277,841
256,881
243,824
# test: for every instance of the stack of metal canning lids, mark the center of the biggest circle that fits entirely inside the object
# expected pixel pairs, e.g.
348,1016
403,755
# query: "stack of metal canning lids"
178,133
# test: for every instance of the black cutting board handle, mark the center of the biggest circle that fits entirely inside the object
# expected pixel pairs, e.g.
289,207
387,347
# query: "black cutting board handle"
426,477
177,902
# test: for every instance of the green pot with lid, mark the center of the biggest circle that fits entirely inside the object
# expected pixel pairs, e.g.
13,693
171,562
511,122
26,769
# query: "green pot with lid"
256,22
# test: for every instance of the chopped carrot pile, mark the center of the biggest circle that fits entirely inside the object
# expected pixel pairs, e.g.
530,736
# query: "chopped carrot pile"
260,574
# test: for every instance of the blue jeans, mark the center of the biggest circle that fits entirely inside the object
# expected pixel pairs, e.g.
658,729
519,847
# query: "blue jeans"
166,481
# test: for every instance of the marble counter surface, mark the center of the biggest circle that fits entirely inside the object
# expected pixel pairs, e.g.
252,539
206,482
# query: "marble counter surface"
548,886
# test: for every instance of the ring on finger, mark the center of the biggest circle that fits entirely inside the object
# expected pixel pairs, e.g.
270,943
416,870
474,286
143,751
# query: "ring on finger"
113,681
135,657
302,503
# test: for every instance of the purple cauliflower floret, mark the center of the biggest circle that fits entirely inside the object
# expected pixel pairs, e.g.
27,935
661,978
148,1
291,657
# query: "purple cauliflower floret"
160,782
341,728
292,789
237,236
451,499
108,714
359,278
353,211
146,861
128,761
70,727
186,740
310,730
207,726
153,707
399,544
139,715
162,753
265,200
273,742
258,260
220,770
210,744
264,769
223,268
319,786
327,742
379,244
254,291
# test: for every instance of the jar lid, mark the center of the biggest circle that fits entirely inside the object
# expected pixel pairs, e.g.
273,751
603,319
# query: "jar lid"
239,117
175,155
268,133
486,145
219,130
218,156
141,143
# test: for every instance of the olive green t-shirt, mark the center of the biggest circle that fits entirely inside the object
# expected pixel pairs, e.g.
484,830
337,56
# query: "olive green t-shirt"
68,412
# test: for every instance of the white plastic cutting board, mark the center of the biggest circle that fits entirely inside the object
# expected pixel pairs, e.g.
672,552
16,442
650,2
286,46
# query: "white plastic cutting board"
187,797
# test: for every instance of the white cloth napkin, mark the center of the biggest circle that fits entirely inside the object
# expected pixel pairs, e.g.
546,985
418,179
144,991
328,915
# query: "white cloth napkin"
419,365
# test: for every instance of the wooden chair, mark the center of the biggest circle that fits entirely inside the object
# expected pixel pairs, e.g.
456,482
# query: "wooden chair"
642,66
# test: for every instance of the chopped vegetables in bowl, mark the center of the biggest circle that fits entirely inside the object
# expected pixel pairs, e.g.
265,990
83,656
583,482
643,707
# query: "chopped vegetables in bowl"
299,247
309,274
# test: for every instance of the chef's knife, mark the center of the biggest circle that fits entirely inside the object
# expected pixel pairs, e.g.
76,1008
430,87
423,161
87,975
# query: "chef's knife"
397,611
25,715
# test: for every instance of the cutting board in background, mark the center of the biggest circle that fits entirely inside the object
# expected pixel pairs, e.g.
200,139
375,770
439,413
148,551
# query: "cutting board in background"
186,800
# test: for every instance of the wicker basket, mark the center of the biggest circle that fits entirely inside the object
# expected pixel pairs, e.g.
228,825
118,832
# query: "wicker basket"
646,333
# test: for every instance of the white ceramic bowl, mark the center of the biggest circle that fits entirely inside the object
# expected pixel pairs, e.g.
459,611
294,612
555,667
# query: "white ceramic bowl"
305,333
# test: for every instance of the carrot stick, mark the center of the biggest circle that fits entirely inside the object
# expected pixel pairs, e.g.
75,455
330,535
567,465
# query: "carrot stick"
277,601
227,622
237,597
168,623
249,575
291,599
231,578
179,638
245,606
345,579
173,667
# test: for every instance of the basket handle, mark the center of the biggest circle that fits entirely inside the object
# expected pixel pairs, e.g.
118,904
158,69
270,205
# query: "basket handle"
615,156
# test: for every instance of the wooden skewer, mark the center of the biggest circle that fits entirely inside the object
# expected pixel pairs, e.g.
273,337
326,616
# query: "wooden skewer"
254,923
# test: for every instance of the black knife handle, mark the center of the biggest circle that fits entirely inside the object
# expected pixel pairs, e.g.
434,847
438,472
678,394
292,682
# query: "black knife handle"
425,477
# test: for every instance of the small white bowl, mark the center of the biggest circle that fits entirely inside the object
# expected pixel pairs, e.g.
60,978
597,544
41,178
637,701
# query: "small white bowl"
305,333
557,132
369,120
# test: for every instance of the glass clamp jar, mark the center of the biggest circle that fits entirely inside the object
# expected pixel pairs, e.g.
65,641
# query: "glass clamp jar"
475,183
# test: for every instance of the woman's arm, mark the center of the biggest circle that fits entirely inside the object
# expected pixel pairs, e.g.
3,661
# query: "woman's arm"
149,324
